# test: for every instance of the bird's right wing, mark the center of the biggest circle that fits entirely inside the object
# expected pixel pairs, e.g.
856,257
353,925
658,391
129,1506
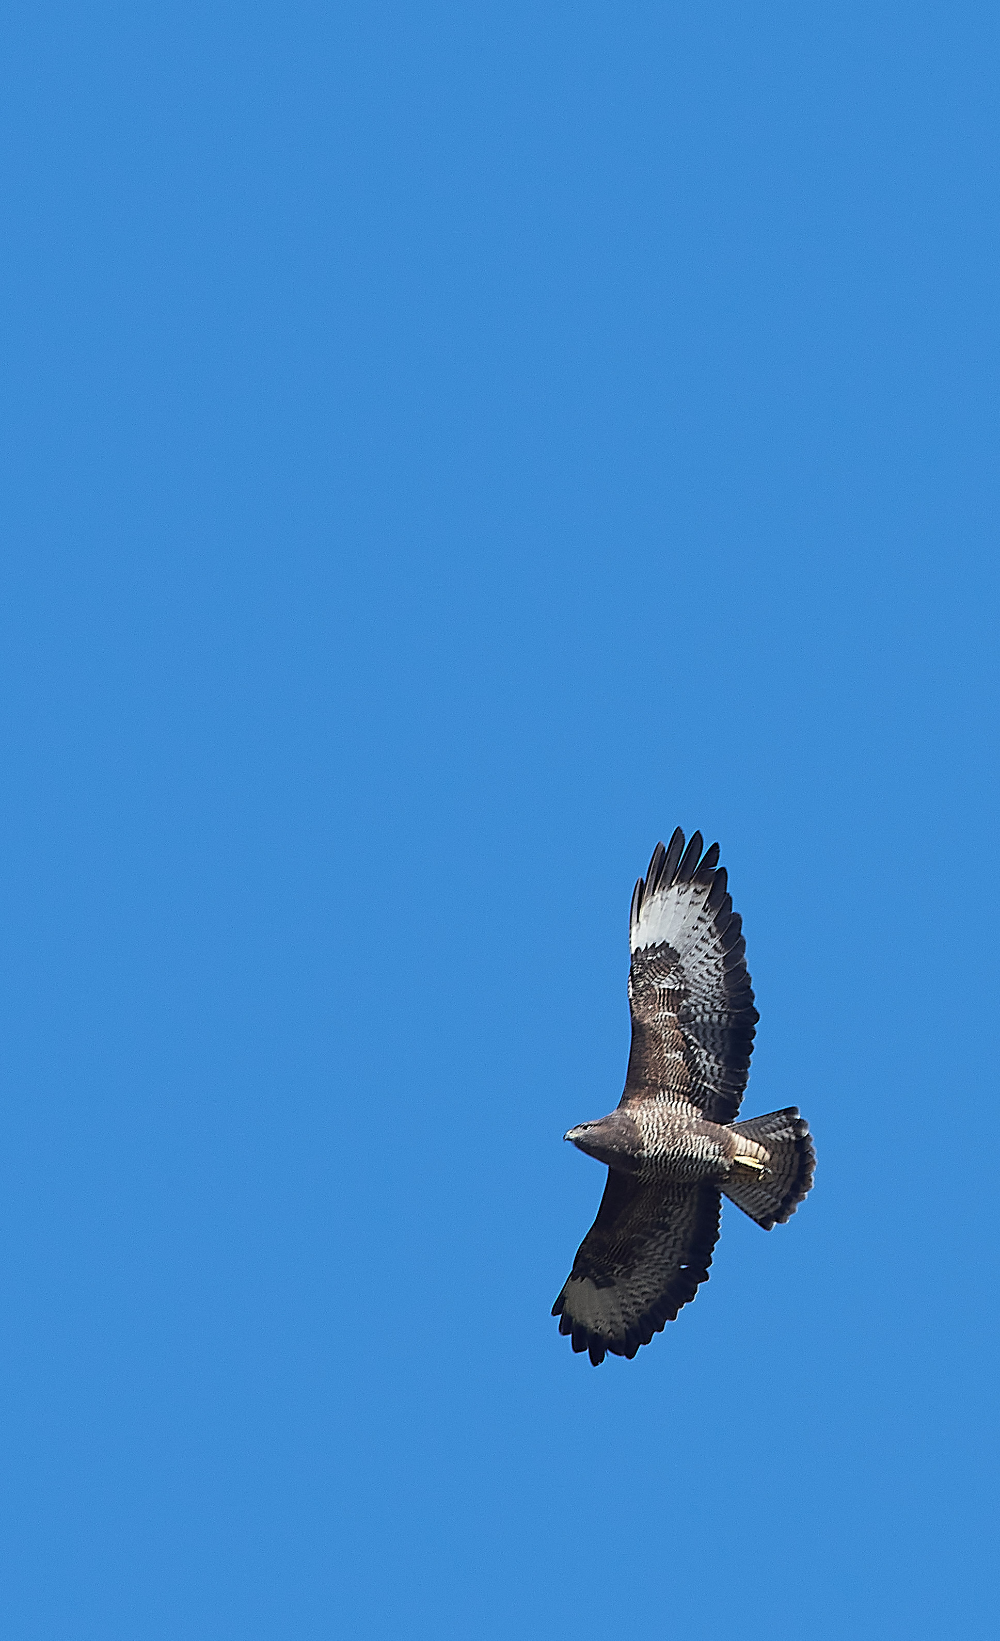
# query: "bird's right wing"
642,1259
693,1017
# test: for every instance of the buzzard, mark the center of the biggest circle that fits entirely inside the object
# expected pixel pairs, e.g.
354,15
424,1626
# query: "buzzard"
672,1147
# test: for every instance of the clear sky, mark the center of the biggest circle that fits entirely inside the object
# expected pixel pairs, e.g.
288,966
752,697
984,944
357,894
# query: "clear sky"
448,446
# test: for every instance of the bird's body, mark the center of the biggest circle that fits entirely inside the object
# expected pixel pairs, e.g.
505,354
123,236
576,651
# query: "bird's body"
664,1140
672,1146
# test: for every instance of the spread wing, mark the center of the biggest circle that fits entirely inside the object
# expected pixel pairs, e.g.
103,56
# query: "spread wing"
693,1017
642,1259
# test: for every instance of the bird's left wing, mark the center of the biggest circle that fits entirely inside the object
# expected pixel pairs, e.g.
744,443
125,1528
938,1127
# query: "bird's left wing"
693,1017
642,1259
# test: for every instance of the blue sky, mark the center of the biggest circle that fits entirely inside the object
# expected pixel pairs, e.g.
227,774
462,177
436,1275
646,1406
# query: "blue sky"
448,447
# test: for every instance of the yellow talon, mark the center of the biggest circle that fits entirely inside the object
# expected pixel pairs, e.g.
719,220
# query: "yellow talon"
752,1162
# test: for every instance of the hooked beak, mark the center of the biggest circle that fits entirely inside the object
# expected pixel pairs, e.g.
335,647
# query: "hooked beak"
574,1133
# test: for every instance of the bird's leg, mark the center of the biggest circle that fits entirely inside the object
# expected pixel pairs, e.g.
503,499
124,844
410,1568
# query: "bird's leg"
751,1162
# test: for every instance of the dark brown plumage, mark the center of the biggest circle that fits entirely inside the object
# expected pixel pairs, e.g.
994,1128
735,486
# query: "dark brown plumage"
672,1146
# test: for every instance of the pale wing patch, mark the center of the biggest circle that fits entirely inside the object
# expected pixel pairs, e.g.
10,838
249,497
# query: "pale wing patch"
675,917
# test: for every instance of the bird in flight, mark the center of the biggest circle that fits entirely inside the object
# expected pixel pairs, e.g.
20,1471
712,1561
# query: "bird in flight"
672,1147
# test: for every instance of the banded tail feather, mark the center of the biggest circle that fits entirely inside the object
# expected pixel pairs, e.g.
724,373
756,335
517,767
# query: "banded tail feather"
772,1197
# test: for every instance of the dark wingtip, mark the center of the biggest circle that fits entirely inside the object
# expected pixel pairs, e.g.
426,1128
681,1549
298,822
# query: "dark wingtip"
690,858
718,893
655,868
710,860
637,900
675,848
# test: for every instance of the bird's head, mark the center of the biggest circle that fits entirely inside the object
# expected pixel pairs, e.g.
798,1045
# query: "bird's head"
610,1139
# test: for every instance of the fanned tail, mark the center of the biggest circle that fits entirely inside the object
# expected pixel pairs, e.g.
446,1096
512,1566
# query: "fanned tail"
772,1196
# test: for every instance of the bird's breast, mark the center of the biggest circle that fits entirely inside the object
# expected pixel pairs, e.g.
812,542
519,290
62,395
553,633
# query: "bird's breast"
679,1145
